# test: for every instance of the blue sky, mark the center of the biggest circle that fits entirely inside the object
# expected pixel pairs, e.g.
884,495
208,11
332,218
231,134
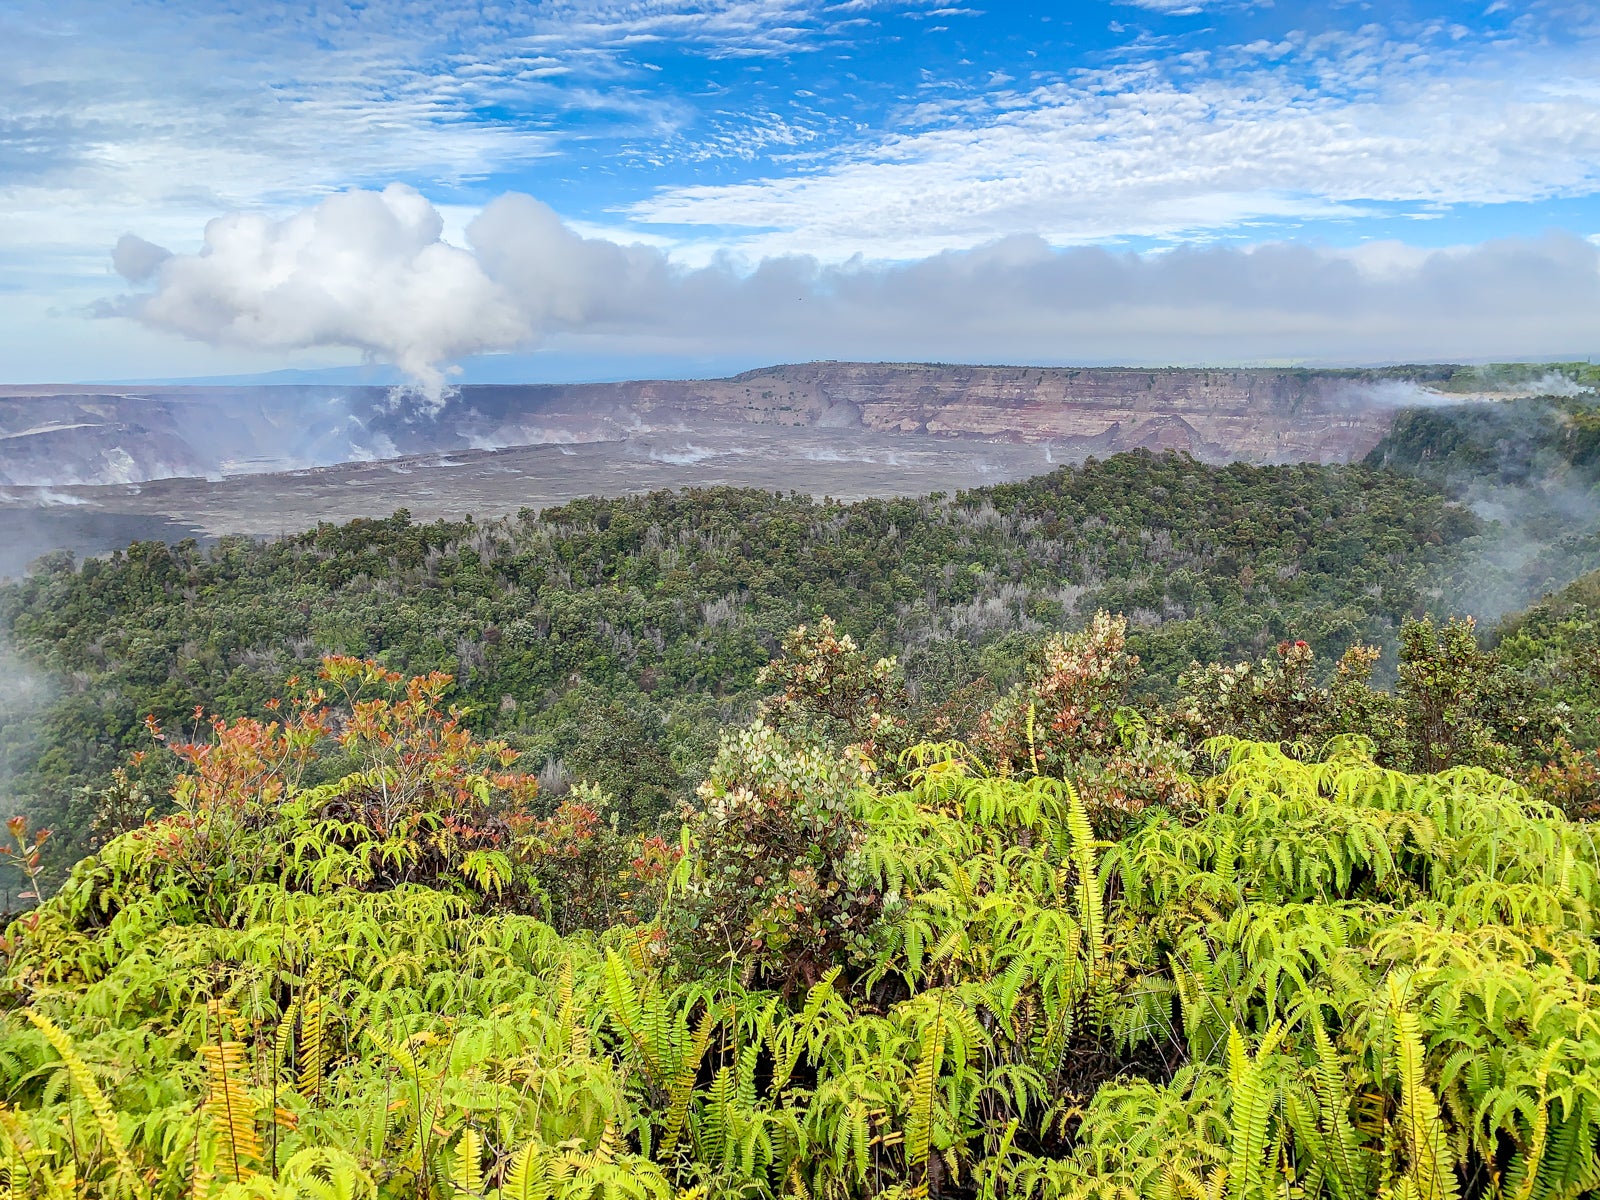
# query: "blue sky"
1404,147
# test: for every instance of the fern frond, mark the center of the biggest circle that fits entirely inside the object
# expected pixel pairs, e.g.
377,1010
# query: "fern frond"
1251,1112
1091,911
924,1084
525,1178
313,1047
83,1077
466,1171
231,1110
1432,1171
681,1089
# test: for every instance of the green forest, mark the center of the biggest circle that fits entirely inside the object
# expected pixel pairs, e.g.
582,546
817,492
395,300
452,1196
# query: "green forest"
611,640
1144,830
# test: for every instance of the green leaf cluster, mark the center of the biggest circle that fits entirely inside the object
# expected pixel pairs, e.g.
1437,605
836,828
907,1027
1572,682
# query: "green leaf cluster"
1317,979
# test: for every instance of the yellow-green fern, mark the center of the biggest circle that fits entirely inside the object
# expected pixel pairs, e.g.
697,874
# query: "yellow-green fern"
105,1117
1431,1171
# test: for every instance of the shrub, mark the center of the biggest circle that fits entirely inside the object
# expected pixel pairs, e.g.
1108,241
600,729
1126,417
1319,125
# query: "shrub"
1073,720
772,885
828,688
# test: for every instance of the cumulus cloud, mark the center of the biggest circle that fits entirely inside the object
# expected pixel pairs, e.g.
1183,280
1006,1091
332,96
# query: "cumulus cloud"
369,270
137,260
362,269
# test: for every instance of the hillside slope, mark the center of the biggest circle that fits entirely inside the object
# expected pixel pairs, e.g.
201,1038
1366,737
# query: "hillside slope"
658,610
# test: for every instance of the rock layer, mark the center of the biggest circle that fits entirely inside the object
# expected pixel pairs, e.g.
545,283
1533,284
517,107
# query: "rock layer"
62,436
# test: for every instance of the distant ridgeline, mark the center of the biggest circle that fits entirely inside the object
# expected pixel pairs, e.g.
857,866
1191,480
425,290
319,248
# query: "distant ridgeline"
58,437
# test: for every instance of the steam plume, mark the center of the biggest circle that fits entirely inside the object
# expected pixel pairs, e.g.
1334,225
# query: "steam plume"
360,269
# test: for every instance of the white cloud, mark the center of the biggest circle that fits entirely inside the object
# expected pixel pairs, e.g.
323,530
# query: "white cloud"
364,270
720,28
367,271
1176,8
1306,130
151,117
1185,8
146,105
144,112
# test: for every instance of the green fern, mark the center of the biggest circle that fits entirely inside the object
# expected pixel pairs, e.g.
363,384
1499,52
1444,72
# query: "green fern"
104,1115
466,1172
1430,1170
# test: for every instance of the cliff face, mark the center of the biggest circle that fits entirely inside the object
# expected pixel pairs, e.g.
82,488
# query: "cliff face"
86,436
1258,416
54,436
1253,416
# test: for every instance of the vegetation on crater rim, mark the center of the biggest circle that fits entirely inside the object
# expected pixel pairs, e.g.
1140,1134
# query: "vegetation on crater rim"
610,640
1073,960
1026,913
